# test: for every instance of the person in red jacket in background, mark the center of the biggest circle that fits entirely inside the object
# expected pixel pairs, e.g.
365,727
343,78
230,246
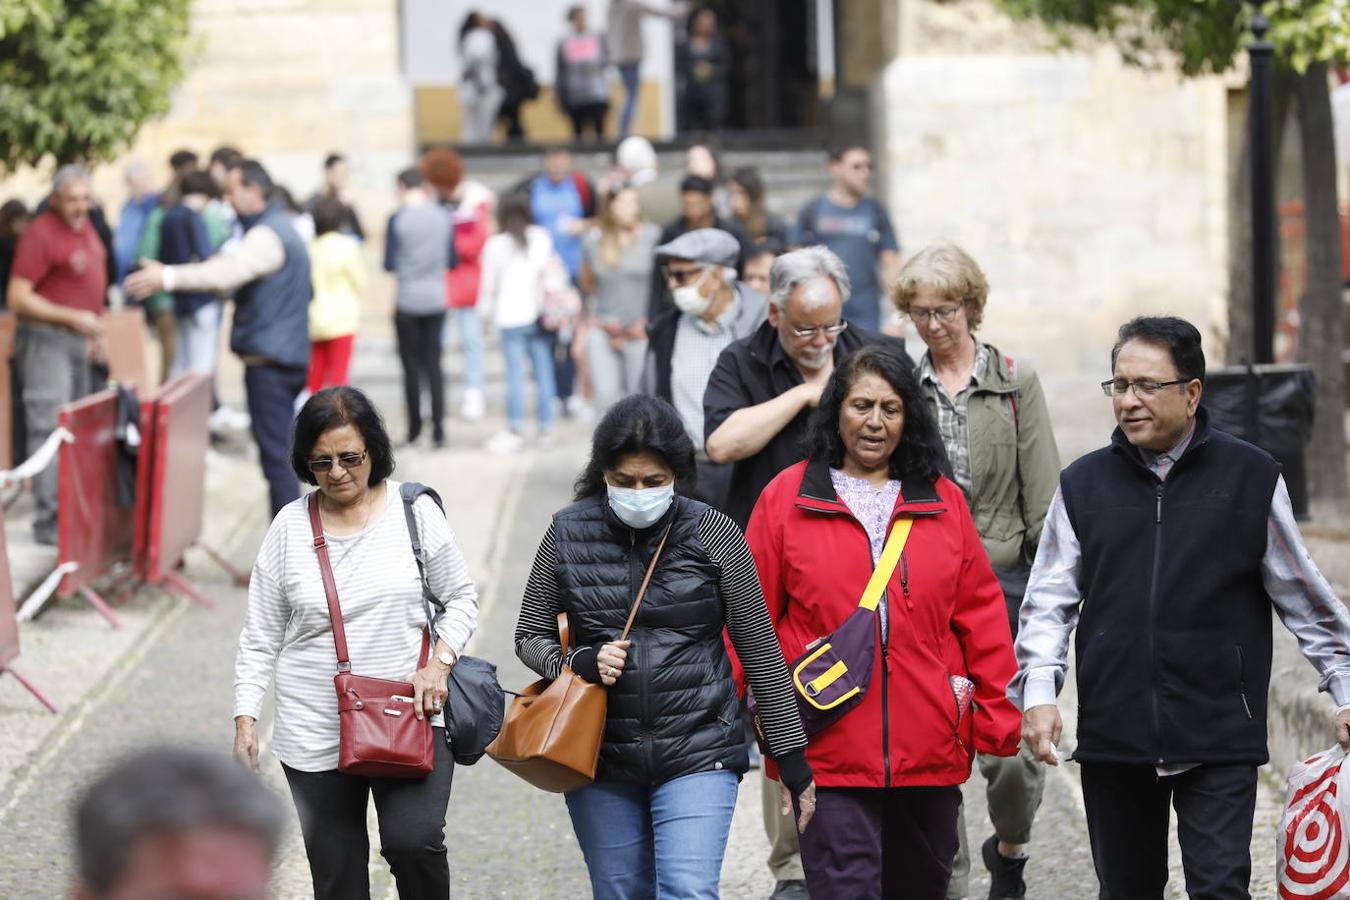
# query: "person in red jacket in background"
472,205
889,771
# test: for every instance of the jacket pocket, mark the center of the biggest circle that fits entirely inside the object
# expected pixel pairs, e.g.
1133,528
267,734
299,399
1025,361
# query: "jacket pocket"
963,694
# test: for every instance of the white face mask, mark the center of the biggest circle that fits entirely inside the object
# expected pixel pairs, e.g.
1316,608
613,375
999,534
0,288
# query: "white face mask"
640,507
689,300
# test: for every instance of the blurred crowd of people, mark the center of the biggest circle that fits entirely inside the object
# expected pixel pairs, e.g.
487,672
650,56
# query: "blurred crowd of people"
495,82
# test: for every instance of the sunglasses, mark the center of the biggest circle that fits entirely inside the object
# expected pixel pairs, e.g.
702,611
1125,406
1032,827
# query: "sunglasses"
348,461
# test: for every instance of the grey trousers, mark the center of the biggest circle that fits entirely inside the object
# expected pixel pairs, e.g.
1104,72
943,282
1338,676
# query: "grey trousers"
614,373
55,366
785,855
1014,785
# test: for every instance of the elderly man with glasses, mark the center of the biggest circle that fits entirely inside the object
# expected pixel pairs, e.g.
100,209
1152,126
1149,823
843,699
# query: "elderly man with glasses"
759,400
1169,550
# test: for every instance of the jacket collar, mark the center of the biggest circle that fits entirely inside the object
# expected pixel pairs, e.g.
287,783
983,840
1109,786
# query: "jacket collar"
1121,444
817,493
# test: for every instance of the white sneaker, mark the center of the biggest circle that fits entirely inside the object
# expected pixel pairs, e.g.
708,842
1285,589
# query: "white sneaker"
505,442
472,407
576,407
227,419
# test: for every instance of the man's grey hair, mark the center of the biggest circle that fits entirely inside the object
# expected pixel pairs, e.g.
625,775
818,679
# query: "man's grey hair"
791,270
167,790
69,174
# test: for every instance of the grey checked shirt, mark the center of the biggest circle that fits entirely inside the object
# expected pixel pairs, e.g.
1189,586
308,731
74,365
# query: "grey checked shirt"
951,413
697,346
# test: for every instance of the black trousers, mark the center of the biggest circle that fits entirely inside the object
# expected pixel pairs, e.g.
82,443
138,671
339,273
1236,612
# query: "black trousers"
332,809
419,349
588,115
1127,815
271,391
873,843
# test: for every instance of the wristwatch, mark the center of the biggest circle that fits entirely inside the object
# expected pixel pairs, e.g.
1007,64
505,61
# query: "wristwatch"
445,658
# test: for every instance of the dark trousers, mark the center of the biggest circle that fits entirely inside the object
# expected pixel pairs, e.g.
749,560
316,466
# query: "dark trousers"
564,366
419,349
271,391
1127,817
868,843
588,115
332,810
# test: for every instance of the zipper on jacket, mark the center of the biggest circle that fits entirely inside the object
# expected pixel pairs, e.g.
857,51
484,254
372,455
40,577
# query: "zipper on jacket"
644,745
885,705
1152,614
1242,681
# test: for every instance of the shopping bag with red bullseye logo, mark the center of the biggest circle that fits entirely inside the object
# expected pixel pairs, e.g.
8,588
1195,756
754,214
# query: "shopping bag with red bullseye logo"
1313,856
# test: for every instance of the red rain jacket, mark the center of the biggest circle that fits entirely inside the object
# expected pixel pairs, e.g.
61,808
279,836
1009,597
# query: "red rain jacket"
947,617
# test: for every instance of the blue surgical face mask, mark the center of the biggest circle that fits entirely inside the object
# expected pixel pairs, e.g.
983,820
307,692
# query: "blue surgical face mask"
640,507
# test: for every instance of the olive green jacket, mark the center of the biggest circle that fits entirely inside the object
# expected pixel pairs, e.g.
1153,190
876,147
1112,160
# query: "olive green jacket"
1014,463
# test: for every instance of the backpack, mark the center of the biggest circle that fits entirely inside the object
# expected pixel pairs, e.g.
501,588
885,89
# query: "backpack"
475,705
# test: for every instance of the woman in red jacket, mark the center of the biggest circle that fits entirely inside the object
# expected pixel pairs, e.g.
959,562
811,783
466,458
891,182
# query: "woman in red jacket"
888,771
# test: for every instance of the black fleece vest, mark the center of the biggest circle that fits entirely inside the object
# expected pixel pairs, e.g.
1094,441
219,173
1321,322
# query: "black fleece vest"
674,711
1173,643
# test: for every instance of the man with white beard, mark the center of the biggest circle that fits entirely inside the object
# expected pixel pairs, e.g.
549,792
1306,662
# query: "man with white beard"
764,387
756,410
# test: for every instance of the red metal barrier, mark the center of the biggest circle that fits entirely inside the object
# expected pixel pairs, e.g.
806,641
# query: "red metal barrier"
8,323
9,627
92,529
171,487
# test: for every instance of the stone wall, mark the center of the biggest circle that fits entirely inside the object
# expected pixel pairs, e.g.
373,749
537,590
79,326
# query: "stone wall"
1089,191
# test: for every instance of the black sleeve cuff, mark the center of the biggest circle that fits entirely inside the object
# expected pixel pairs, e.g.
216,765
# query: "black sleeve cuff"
794,771
585,662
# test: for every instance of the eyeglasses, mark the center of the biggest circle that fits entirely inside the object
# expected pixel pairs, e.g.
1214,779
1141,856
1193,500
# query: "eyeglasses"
830,331
1142,388
945,314
348,461
681,277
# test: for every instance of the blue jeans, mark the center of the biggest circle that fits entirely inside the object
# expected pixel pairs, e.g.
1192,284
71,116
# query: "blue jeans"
645,843
628,72
517,344
465,319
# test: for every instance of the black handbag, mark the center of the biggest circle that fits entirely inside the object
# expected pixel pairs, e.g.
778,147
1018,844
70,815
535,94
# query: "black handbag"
476,702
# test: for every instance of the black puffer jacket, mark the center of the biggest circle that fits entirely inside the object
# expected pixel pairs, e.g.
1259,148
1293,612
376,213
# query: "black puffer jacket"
674,712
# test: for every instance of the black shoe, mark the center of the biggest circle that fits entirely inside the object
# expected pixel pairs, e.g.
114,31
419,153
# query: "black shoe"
794,889
45,536
1005,875
438,441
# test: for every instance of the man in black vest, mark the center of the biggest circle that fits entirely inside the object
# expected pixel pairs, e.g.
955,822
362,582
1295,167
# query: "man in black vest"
1168,549
268,273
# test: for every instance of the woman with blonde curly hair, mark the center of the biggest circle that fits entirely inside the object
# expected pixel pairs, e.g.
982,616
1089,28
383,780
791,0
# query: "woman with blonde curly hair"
995,424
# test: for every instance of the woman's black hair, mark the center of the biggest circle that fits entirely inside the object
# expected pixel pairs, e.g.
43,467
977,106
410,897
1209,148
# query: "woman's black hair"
332,408
634,424
514,216
919,454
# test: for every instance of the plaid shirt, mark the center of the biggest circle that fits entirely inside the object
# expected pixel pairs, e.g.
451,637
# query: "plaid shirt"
951,413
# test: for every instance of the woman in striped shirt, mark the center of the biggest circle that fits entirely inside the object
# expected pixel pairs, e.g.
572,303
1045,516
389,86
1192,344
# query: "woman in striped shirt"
342,447
660,808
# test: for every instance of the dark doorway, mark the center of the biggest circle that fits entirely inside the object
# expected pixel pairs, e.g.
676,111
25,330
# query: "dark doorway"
774,83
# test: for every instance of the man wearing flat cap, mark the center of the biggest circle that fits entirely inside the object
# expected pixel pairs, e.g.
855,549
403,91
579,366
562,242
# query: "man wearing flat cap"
711,310
697,211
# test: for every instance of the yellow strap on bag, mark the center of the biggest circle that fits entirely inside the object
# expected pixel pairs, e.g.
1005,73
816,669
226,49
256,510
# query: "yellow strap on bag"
890,557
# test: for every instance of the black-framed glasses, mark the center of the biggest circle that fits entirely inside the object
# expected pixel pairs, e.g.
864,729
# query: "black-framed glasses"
681,277
321,464
945,314
1117,387
830,331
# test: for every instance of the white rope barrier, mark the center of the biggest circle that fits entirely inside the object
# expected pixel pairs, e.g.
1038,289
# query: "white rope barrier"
44,591
39,460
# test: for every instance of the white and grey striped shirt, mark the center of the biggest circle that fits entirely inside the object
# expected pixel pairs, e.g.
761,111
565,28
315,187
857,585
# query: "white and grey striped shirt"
287,635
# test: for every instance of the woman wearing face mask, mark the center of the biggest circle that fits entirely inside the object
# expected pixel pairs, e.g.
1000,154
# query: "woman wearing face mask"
659,811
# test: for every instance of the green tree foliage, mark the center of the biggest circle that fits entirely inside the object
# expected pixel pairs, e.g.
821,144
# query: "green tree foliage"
1204,35
78,78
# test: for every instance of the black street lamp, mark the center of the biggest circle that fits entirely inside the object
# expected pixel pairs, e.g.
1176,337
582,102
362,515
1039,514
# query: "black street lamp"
1261,116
